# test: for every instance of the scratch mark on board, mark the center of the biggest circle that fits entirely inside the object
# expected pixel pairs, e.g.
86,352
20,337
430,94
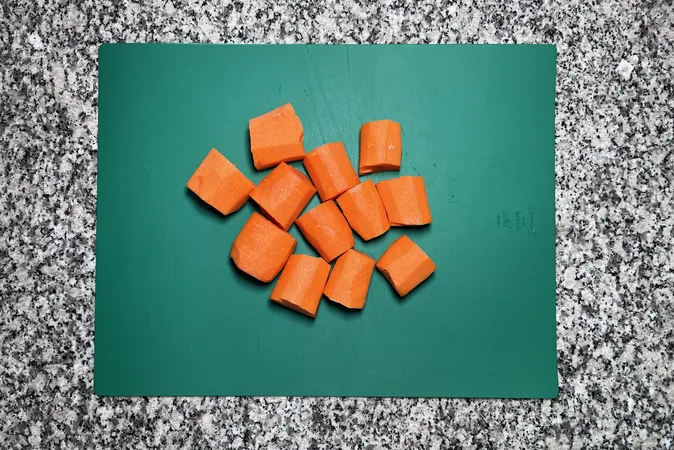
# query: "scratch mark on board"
318,119
456,211
348,62
325,98
353,347
166,257
372,105
353,89
436,316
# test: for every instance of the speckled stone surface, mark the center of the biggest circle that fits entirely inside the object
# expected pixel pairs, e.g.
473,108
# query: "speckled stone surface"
615,257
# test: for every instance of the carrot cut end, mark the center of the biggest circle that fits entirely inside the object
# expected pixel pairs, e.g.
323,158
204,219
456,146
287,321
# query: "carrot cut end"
276,136
405,200
364,210
405,265
349,281
283,194
301,284
330,169
220,184
261,249
380,146
327,230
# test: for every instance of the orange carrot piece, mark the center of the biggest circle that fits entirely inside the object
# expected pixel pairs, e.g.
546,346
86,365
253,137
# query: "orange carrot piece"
275,137
301,284
330,170
261,249
327,230
364,210
405,201
220,184
381,146
350,279
405,265
283,194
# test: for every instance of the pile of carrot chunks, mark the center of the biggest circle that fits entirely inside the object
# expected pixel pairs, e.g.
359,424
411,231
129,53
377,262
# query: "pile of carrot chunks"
264,247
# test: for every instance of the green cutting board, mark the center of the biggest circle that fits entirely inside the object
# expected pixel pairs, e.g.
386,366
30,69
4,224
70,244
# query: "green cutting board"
175,317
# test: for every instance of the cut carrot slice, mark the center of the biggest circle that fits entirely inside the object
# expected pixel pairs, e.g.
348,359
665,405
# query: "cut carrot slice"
220,184
327,230
350,279
283,194
261,249
301,284
405,201
380,146
275,137
405,265
330,169
364,210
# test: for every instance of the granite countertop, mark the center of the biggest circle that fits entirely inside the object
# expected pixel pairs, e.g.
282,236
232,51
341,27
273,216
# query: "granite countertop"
615,257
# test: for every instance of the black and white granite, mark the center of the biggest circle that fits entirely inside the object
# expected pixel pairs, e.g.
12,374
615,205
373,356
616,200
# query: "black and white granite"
615,256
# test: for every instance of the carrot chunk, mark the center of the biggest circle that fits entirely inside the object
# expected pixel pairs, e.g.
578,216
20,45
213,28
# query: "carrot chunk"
301,284
364,210
350,279
261,249
405,201
220,184
283,194
275,137
380,146
327,230
330,169
405,265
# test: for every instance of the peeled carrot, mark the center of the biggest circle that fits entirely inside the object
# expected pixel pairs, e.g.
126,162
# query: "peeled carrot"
327,230
275,137
301,284
405,265
380,146
405,201
330,170
350,279
364,210
261,249
220,184
283,194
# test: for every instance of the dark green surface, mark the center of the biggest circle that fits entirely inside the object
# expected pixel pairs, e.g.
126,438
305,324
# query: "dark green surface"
174,316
